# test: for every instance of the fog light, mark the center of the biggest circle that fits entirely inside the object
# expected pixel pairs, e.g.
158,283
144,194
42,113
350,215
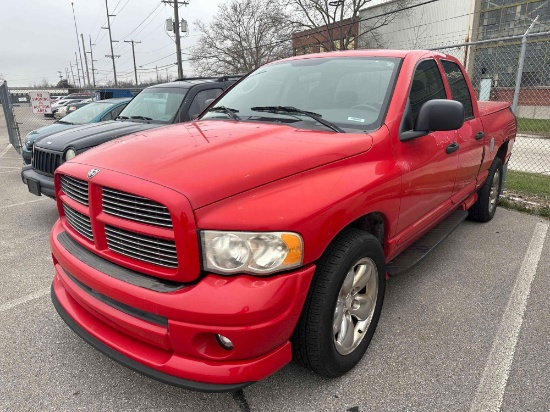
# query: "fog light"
224,342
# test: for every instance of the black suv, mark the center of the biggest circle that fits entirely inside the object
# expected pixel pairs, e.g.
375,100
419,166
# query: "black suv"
155,106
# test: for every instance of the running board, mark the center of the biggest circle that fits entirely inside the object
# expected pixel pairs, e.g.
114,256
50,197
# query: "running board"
418,250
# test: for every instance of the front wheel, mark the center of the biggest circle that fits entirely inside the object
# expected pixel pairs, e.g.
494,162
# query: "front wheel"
485,207
343,305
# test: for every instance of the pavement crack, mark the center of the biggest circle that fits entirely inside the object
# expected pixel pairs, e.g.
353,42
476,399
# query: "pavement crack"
241,401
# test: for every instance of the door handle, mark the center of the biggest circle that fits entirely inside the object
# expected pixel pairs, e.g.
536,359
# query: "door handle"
480,135
452,148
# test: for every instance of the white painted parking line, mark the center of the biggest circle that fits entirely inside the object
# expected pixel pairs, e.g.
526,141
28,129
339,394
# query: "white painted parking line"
490,390
21,203
16,302
5,150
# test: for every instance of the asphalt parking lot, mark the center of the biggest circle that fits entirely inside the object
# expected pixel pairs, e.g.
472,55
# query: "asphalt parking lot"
466,329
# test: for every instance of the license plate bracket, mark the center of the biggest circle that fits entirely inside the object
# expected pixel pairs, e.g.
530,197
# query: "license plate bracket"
34,187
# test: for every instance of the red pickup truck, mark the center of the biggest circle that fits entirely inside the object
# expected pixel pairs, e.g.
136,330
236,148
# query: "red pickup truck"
208,254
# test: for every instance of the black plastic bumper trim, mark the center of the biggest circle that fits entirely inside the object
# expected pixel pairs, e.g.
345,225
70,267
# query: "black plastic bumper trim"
138,367
46,182
129,310
114,270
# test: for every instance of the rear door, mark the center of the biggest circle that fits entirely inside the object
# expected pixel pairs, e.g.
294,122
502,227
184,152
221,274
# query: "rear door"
470,136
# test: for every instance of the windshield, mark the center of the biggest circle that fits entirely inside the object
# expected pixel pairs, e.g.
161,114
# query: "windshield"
159,104
87,113
350,92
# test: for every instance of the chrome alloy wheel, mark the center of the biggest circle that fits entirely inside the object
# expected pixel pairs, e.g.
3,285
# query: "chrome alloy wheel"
495,188
355,306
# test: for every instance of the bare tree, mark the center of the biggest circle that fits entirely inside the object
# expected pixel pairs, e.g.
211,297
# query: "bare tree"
243,35
337,24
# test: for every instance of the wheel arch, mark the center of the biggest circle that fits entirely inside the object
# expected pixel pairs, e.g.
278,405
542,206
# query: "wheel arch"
503,151
374,223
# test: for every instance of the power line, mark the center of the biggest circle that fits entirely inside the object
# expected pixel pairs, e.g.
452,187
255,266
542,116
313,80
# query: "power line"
149,15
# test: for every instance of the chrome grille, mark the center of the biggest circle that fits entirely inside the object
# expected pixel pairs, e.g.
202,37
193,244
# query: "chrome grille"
79,222
76,189
45,162
145,248
136,208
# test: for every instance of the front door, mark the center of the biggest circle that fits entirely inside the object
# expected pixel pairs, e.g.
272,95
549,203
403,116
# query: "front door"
428,171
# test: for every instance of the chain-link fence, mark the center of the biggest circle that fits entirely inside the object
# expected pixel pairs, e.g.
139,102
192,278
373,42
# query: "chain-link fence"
9,117
517,70
498,68
21,119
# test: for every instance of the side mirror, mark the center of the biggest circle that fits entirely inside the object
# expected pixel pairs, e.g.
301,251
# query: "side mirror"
436,115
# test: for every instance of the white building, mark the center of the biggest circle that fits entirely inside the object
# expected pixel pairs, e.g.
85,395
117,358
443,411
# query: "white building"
440,23
444,23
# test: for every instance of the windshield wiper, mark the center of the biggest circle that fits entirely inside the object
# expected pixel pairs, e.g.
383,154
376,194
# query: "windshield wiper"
291,109
64,122
121,117
227,110
141,117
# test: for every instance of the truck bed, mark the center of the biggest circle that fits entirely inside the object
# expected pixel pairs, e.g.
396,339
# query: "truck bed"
486,108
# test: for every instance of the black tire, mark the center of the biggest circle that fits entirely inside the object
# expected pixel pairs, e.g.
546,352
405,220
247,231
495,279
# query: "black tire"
485,207
313,341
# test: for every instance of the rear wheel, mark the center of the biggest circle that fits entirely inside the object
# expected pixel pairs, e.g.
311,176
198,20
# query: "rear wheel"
343,305
485,207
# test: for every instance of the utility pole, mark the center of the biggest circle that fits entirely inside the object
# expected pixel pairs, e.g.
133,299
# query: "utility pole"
134,54
85,59
67,76
78,72
92,59
112,55
176,4
60,76
78,43
157,69
74,82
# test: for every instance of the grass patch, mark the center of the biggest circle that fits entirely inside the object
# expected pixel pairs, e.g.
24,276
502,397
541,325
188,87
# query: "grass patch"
535,126
527,192
528,183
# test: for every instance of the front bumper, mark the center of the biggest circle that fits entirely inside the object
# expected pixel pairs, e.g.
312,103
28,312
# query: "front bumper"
171,336
41,185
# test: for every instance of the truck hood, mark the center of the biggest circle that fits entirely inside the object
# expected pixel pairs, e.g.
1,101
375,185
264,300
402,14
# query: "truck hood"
208,161
93,134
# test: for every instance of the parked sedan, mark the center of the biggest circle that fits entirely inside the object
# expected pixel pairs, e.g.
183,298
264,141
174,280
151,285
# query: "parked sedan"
70,107
91,113
63,101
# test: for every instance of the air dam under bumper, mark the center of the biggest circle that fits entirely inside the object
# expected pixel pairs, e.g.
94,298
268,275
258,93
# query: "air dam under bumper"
257,314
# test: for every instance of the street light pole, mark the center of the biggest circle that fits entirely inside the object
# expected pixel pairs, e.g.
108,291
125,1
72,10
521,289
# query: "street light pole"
77,41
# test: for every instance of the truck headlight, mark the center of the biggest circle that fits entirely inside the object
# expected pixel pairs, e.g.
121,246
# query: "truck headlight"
69,154
260,253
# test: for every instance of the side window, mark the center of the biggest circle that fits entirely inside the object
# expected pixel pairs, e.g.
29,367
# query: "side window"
459,87
427,85
199,102
116,112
